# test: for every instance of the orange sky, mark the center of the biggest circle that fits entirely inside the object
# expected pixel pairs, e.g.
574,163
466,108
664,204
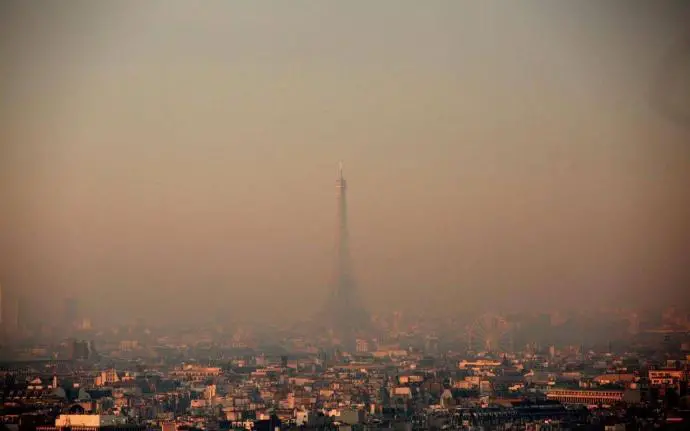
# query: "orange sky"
494,152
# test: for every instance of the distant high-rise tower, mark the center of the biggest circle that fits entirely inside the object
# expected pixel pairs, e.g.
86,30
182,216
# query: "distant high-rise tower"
345,312
70,314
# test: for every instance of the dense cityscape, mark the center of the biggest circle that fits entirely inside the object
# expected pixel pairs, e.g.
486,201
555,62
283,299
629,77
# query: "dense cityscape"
500,372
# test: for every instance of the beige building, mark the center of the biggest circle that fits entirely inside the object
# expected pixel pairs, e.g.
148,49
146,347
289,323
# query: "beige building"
88,421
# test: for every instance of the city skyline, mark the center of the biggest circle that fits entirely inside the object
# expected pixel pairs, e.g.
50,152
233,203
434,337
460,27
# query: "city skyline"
507,247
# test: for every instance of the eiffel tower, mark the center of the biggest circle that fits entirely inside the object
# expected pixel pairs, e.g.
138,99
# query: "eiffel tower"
344,314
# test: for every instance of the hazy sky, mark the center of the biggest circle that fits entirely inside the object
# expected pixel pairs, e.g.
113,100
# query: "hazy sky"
168,154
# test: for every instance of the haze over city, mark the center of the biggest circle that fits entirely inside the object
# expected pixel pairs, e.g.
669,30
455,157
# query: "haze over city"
171,160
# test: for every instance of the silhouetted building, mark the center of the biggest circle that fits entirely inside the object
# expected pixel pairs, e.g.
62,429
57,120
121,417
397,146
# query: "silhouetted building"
70,313
268,425
82,350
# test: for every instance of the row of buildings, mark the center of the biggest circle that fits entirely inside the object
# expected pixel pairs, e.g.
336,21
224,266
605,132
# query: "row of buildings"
401,388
